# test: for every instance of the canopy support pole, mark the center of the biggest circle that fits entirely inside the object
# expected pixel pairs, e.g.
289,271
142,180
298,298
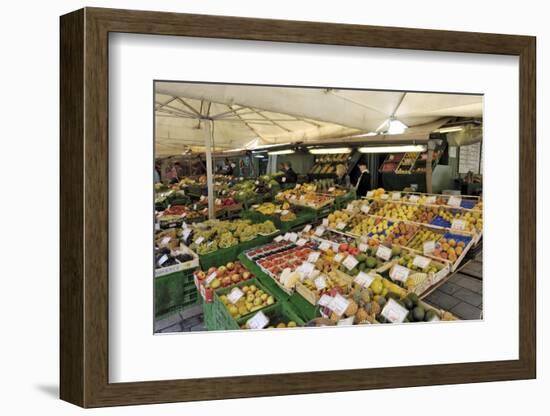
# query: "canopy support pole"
209,168
429,168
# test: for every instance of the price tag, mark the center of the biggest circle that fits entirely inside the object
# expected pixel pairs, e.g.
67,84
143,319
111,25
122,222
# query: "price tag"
186,233
338,258
194,207
302,197
313,257
278,239
307,228
341,225
165,241
363,279
157,226
428,247
199,240
458,225
399,273
319,231
283,179
325,300
184,224
301,242
384,196
335,247
306,268
430,200
284,212
297,186
350,262
235,295
293,198
258,321
162,260
363,247
414,198
320,282
370,194
349,207
454,201
396,196
257,182
339,304
331,189
325,245
421,262
325,222
383,252
286,237
293,237
210,277
394,312
365,209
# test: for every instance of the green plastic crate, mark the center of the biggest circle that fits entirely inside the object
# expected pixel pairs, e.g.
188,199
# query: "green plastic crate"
279,310
174,291
264,279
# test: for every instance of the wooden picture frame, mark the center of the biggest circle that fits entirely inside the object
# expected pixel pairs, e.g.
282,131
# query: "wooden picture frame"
84,207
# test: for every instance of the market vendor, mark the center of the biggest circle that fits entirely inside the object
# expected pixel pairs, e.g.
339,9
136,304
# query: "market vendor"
291,176
362,185
342,178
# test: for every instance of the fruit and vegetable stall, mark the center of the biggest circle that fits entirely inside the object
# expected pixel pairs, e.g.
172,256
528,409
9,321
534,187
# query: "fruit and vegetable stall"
310,255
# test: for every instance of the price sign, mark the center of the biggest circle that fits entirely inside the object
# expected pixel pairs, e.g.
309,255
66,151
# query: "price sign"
338,258
162,260
235,295
430,200
320,282
210,277
186,233
306,268
370,194
414,198
157,226
283,179
297,186
363,247
313,257
284,212
454,201
258,321
278,239
421,262
384,196
165,241
458,225
319,231
293,237
307,228
199,240
339,304
365,209
350,262
396,196
341,225
394,312
399,273
184,225
325,245
301,242
286,236
383,252
428,247
349,207
335,247
363,279
325,222
325,300
331,189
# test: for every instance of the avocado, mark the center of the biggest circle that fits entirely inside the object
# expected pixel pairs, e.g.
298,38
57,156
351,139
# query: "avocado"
393,295
408,303
381,301
414,298
418,313
371,262
430,315
361,258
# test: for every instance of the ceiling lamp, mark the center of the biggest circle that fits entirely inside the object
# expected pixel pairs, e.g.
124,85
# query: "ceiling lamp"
393,149
396,127
450,129
281,152
330,151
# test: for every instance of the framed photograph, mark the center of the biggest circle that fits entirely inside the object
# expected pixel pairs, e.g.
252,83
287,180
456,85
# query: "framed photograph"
260,207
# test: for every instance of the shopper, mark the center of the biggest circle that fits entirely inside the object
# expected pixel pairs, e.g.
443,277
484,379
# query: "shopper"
227,167
363,182
342,178
157,173
178,170
291,176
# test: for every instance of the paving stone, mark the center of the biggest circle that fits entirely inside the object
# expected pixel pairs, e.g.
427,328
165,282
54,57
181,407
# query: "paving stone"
466,295
199,327
442,300
167,322
473,268
471,283
173,328
466,311
190,311
449,288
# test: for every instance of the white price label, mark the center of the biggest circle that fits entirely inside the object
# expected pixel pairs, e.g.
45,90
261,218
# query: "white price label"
307,228
350,262
162,260
341,225
199,240
165,241
331,189
325,222
421,262
278,239
394,312
384,196
325,300
301,242
370,194
235,295
454,201
349,207
284,212
365,209
428,247
414,198
319,231
324,246
313,257
335,247
363,279
183,225
338,258
157,226
186,233
396,196
458,225
258,321
399,273
306,268
297,186
320,283
339,304
286,237
210,277
283,179
430,200
293,237
383,252
363,247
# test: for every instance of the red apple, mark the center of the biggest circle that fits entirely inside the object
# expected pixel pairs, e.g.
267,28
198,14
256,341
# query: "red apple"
222,269
235,277
211,270
230,266
246,275
226,281
201,275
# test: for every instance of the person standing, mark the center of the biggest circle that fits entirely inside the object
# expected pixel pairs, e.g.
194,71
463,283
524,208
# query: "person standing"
291,176
157,173
178,170
363,182
342,178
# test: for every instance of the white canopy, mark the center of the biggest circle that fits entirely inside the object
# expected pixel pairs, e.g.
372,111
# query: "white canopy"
250,116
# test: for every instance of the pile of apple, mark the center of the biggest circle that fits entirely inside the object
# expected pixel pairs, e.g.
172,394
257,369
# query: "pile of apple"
230,274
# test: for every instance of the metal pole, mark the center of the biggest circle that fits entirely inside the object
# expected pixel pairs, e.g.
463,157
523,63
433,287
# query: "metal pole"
209,172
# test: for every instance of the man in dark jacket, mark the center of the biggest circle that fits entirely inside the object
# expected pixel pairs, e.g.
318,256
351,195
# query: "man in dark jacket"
363,182
291,176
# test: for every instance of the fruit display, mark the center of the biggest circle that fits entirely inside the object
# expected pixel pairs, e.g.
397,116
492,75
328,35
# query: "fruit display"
451,246
327,163
338,219
423,235
312,288
275,321
401,233
393,210
252,298
283,211
407,162
391,162
165,257
375,228
292,257
224,276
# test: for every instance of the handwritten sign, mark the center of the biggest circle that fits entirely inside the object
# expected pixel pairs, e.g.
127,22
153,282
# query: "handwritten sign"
341,225
394,312
320,282
278,239
428,247
210,278
363,279
301,242
421,262
338,258
383,252
325,300
325,222
199,240
235,295
313,257
363,247
365,209
307,228
396,196
339,304
399,273
319,231
258,321
454,201
414,198
350,262
324,246
293,237
458,225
